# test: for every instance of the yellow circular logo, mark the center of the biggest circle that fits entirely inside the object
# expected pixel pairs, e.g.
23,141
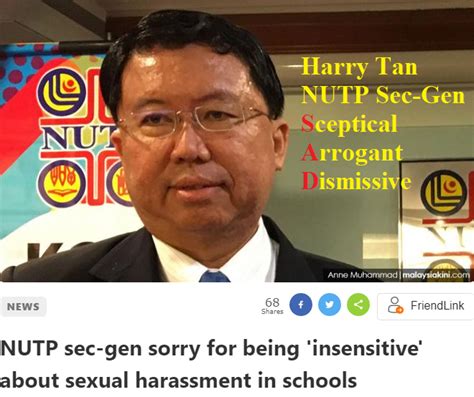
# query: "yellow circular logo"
61,183
116,185
61,92
443,193
446,270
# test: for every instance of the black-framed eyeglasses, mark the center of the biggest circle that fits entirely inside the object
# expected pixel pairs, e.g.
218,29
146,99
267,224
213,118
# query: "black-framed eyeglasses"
160,123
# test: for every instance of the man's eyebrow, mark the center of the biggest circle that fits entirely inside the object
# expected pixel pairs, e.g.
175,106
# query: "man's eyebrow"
218,94
147,101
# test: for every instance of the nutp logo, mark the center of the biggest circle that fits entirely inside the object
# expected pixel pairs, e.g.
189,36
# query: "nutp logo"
443,193
61,92
83,166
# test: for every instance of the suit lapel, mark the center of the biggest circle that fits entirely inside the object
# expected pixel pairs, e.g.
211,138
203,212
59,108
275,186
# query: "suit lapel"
291,264
133,259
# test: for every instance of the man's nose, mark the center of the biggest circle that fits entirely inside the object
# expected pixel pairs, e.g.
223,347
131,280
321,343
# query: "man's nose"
189,145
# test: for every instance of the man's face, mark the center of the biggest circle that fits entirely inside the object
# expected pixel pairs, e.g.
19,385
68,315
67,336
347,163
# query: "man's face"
195,180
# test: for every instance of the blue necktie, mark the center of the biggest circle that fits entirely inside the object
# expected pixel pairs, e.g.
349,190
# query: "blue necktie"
214,277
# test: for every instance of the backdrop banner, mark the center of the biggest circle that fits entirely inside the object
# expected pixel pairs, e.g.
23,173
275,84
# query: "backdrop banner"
437,217
60,176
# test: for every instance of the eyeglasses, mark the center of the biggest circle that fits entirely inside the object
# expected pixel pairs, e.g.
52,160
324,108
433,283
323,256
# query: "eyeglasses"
159,123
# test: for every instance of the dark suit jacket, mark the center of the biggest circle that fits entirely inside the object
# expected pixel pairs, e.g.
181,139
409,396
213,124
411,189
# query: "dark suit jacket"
132,257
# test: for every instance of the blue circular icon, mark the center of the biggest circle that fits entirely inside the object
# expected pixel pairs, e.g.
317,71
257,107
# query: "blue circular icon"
301,304
329,304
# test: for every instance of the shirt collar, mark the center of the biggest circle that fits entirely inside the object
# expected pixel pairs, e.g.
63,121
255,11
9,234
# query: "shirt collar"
255,261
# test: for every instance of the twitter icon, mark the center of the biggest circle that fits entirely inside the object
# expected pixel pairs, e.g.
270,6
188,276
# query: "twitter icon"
329,304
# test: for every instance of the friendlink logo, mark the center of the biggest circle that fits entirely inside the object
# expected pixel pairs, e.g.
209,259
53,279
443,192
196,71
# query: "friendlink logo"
443,193
61,92
83,166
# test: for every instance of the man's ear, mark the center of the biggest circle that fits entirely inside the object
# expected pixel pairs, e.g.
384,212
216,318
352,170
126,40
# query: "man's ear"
281,131
117,137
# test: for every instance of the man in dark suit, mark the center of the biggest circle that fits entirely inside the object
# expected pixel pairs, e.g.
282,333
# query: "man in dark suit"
133,257
198,105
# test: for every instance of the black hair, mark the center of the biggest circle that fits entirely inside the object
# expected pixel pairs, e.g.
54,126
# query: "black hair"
173,29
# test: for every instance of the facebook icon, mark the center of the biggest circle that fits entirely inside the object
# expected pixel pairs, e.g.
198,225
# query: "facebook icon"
301,304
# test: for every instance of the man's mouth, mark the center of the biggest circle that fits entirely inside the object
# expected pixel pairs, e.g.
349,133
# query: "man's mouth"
195,183
196,189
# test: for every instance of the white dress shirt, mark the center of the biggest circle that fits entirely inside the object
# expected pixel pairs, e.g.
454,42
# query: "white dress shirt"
255,261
